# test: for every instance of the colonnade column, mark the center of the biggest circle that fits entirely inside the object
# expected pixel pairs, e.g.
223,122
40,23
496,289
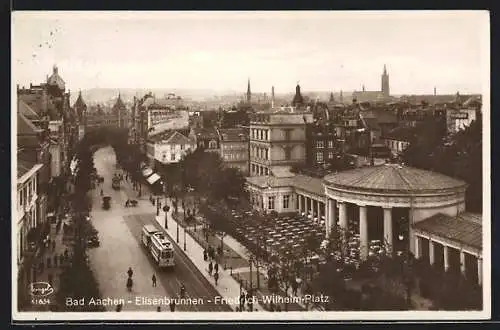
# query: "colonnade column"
299,198
306,201
388,242
479,271
417,247
445,257
319,210
331,221
343,215
431,252
363,232
462,262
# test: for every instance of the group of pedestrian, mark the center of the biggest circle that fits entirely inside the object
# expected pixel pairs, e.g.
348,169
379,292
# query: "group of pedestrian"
213,266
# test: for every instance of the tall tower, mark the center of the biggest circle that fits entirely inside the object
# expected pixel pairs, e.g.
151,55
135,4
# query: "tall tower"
272,97
385,83
249,92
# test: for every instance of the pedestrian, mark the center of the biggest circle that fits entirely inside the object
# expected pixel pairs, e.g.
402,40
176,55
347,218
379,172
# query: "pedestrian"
294,287
172,305
66,254
158,309
278,309
242,301
154,280
216,277
216,267
50,277
119,307
210,268
205,257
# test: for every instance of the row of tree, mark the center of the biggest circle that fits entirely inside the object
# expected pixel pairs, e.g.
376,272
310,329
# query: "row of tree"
204,174
77,280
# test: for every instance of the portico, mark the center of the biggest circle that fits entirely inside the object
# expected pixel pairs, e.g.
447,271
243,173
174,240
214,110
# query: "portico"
402,195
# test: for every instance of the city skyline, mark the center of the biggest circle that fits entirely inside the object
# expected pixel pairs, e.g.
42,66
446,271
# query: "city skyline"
220,51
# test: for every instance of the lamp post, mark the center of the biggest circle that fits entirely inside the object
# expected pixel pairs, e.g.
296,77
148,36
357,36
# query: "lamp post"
177,230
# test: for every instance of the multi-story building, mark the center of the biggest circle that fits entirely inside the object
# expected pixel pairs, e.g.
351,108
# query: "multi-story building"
277,140
459,119
27,223
322,144
234,148
152,116
118,116
206,138
168,148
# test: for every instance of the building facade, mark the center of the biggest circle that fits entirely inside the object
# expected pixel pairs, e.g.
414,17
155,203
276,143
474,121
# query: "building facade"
206,138
277,140
234,148
168,148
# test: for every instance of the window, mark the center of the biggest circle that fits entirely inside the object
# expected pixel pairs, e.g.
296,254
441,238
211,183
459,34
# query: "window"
330,144
270,202
330,155
319,144
286,201
287,152
212,144
172,156
319,156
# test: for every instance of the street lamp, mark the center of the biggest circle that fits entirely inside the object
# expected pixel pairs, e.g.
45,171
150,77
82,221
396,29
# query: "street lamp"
177,230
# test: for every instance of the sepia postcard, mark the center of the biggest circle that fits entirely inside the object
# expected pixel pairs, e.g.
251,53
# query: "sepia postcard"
306,165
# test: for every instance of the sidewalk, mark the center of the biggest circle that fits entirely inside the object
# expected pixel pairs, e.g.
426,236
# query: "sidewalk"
53,271
227,286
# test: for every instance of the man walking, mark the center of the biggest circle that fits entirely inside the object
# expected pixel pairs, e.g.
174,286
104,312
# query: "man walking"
216,277
210,268
216,268
154,280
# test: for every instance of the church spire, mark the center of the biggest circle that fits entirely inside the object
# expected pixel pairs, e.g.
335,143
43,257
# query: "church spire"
249,92
385,70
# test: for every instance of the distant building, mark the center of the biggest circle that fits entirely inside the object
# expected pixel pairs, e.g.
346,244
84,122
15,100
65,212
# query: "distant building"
399,138
321,143
234,148
459,119
206,139
373,96
168,148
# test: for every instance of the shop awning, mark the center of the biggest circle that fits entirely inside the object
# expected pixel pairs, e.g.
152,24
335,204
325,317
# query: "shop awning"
153,178
147,172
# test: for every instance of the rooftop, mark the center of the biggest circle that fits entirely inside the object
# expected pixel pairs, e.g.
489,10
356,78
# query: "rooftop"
401,134
270,181
466,228
23,167
309,183
393,177
233,134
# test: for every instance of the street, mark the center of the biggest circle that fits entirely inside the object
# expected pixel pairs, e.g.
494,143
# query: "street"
119,233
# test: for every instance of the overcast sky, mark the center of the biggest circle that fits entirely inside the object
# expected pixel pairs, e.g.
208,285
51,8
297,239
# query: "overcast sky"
209,50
